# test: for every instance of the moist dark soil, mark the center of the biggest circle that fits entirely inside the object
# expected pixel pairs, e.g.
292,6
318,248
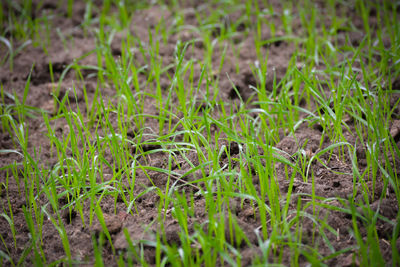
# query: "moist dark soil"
329,180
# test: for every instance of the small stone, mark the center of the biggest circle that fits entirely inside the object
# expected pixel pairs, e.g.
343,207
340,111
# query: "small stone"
248,212
122,215
395,130
350,261
51,87
234,205
386,208
136,233
49,106
113,224
63,89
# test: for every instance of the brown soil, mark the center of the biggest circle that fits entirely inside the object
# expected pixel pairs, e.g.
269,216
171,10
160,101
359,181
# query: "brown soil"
328,183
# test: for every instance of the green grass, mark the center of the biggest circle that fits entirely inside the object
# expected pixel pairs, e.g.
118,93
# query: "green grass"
337,87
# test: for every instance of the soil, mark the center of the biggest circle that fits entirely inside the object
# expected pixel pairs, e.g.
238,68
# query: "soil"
329,181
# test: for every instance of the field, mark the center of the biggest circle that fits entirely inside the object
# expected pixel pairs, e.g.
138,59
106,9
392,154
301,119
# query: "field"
199,133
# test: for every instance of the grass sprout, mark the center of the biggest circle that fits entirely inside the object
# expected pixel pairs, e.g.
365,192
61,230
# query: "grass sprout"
240,133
